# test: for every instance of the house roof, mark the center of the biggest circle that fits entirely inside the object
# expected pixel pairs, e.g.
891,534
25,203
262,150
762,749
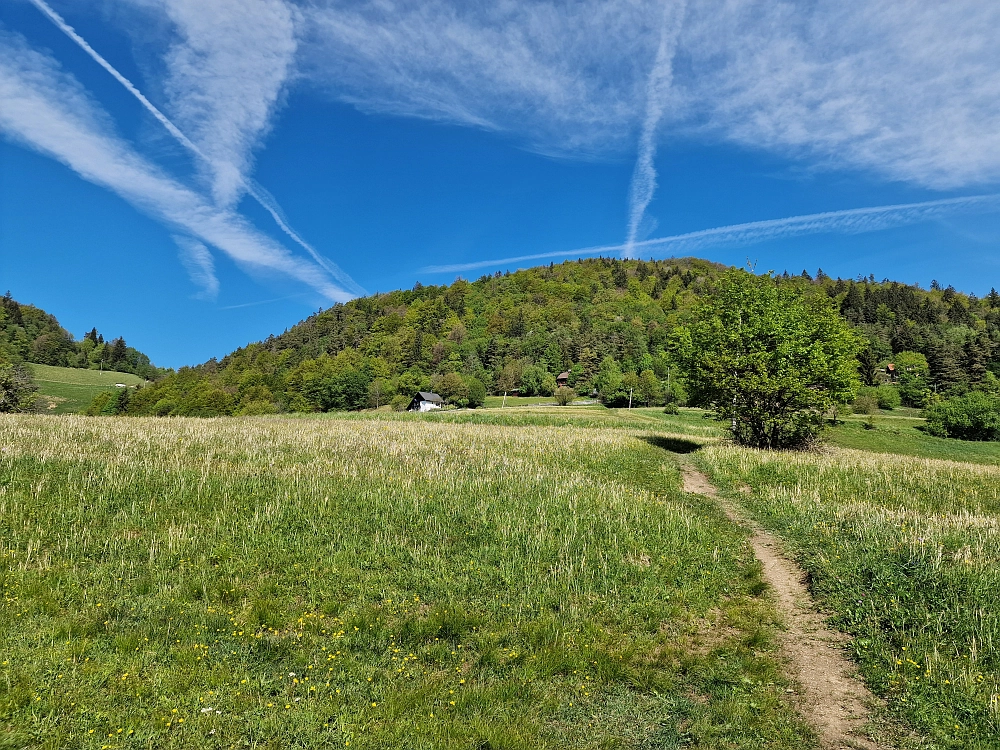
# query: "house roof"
428,396
562,375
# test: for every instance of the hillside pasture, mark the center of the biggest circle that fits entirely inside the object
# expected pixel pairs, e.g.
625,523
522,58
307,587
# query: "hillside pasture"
69,390
389,581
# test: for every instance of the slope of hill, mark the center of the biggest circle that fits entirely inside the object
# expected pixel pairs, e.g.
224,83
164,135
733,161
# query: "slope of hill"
69,390
519,330
28,334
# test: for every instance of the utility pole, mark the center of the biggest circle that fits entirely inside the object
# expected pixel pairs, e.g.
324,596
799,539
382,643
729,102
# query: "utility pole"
629,398
504,403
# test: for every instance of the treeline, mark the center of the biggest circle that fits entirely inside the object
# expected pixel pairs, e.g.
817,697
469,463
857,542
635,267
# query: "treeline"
28,334
607,322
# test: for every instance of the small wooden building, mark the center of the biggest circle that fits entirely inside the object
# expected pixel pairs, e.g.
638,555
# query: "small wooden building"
562,379
425,401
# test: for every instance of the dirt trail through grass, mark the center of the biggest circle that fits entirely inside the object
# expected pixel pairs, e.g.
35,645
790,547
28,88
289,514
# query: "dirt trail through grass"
833,701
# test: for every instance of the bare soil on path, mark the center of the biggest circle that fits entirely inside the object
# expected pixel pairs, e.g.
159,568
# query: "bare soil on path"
833,701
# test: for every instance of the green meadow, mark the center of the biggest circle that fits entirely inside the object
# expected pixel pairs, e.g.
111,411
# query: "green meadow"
375,583
524,578
69,390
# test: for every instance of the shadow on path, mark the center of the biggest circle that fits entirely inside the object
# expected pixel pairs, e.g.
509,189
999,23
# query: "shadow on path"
674,445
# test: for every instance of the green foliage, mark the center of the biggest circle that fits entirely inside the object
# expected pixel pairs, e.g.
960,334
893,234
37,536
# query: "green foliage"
865,403
477,393
564,395
17,391
870,399
769,360
28,334
537,381
517,331
974,416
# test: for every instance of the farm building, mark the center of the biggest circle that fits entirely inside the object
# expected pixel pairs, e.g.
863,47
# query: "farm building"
425,401
562,379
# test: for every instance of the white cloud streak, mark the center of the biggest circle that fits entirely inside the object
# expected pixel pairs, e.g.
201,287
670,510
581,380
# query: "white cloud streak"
231,123
224,75
197,260
47,110
643,185
849,221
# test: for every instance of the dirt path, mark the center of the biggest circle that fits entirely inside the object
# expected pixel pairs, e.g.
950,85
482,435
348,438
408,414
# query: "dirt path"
831,699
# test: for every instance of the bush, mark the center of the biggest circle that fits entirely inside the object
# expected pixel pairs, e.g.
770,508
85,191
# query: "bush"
870,399
99,404
564,395
865,404
477,392
888,397
974,416
400,402
164,407
17,391
671,408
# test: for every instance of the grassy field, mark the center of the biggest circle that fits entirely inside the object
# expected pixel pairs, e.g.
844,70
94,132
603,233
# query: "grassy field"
904,552
525,578
496,402
69,390
376,582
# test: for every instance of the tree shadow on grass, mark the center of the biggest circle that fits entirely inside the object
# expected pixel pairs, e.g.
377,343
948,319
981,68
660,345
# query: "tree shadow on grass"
674,445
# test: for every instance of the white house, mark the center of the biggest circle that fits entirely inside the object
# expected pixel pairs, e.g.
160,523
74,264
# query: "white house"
425,401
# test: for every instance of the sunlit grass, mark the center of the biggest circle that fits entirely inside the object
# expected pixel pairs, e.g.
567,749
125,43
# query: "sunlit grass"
905,554
378,582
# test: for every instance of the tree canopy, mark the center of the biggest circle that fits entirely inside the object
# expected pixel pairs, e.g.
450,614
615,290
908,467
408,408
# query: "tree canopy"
769,360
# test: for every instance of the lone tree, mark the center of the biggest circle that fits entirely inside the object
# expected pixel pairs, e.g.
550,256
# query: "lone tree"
769,360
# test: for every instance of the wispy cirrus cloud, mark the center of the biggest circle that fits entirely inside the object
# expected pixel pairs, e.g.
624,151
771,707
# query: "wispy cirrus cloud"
907,90
225,72
47,110
198,262
225,92
849,221
553,73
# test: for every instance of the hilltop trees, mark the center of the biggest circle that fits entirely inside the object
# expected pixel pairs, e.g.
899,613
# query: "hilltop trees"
28,334
609,323
768,359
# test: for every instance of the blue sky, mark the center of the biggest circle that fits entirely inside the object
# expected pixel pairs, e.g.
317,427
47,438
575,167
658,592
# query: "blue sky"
198,174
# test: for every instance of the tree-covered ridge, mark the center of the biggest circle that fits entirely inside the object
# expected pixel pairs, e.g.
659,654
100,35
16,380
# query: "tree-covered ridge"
608,322
28,334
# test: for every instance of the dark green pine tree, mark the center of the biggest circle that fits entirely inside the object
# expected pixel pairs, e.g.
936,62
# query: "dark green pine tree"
118,351
417,352
977,355
993,298
853,306
946,368
868,366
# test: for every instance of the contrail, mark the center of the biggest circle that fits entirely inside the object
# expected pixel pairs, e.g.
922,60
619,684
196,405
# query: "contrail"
849,221
255,190
660,78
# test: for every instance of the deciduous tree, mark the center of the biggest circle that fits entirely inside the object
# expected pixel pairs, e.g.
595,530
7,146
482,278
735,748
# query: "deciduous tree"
770,361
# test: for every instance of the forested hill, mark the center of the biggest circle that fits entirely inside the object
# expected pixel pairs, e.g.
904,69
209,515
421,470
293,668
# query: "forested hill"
28,334
602,320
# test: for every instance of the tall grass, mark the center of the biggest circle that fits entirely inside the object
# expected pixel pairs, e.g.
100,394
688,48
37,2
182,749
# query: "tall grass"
905,554
377,583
